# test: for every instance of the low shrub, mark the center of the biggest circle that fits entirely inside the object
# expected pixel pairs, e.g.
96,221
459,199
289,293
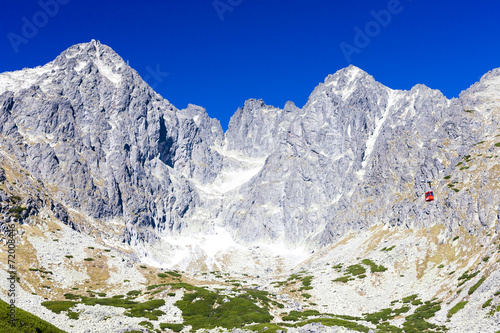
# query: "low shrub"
173,327
343,279
71,296
487,303
296,315
477,285
409,299
73,315
416,322
147,324
174,274
374,267
200,311
459,306
355,269
59,306
134,293
25,322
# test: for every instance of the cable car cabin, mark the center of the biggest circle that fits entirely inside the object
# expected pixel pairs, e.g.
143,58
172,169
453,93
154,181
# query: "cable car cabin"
429,196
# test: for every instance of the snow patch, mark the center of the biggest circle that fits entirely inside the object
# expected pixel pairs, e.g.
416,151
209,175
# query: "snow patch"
182,249
196,120
370,143
348,88
80,65
23,79
280,249
238,169
106,70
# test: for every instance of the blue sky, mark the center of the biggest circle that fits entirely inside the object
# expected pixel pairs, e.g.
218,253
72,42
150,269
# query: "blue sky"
219,53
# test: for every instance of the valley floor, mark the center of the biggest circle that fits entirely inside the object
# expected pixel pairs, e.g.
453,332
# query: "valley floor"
380,280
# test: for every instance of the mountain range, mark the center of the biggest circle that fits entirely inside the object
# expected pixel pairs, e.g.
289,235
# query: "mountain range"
93,159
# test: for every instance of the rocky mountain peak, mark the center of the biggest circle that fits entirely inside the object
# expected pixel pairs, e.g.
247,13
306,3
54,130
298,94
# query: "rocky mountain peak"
290,107
92,50
299,199
293,174
345,76
83,58
486,90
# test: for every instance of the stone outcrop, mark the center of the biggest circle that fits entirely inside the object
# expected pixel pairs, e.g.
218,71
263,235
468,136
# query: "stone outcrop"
358,153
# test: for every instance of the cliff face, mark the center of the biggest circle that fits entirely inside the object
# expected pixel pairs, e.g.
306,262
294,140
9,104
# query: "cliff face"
358,153
88,126
114,191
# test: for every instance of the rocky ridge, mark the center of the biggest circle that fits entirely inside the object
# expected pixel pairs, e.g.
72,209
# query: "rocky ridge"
116,149
94,160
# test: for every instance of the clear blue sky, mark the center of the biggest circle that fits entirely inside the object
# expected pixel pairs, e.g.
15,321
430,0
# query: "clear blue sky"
274,50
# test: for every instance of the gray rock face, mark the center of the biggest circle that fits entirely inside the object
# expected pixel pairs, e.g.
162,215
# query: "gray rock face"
358,153
90,127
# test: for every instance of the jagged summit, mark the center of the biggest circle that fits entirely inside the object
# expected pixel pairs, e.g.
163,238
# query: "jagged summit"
486,90
345,76
80,60
291,174
351,72
82,57
93,50
320,207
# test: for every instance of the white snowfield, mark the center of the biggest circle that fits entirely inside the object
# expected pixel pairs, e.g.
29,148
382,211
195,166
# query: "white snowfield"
22,79
25,78
237,171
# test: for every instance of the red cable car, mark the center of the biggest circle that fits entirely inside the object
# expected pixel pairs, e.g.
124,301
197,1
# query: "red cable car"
429,196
